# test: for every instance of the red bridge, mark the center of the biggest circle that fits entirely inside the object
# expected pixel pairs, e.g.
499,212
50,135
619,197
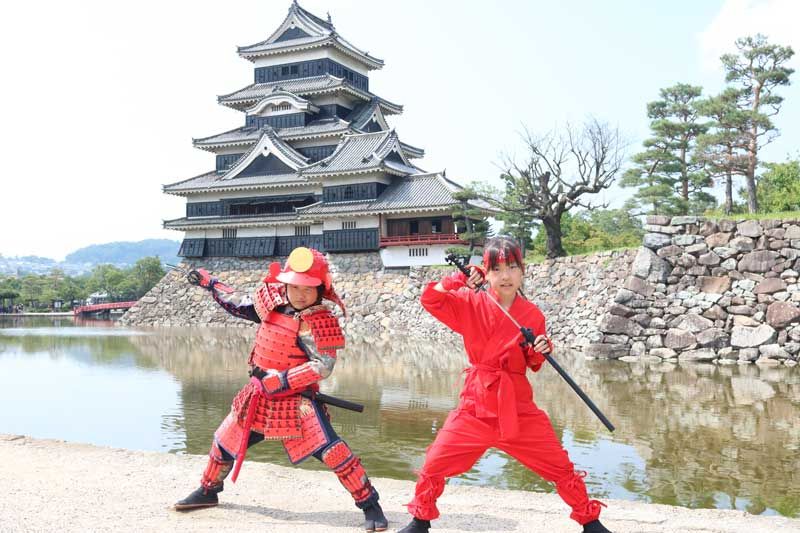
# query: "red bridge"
99,308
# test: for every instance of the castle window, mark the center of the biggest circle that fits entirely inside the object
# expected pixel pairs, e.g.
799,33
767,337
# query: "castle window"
436,225
348,224
417,252
349,193
229,233
302,230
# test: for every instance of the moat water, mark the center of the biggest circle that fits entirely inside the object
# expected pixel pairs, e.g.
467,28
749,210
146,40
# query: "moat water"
699,435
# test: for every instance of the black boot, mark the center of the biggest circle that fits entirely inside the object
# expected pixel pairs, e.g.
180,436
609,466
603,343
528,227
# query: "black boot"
417,526
374,520
200,498
595,527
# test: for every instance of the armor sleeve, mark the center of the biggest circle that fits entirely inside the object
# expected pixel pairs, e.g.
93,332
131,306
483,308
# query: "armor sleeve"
240,306
319,366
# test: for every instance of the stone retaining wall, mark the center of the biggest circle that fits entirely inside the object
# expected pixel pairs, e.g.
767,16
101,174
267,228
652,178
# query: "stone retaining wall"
697,290
705,290
573,292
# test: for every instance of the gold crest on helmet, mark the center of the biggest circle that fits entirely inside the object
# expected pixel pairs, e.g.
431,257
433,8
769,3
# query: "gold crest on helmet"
301,259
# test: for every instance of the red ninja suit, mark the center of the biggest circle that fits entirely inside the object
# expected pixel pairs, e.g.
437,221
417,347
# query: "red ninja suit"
496,408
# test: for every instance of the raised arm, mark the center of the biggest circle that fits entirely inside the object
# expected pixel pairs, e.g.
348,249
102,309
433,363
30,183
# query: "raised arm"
447,301
240,306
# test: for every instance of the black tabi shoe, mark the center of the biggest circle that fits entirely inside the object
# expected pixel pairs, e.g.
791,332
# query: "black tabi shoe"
200,498
595,527
417,526
374,520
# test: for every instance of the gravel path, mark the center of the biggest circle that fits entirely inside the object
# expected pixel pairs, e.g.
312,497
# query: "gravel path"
58,486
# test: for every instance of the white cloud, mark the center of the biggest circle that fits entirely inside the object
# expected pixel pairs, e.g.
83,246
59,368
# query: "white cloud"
777,19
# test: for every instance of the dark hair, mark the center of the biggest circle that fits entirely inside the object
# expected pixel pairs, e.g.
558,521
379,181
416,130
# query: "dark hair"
504,246
320,292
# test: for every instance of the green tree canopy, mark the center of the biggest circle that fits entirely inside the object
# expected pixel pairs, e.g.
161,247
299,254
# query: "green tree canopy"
668,178
779,187
756,71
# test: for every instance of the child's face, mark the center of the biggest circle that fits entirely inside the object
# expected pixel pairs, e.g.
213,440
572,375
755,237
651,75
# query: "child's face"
301,296
505,279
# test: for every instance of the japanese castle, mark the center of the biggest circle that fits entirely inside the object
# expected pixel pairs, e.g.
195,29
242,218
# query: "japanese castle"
316,163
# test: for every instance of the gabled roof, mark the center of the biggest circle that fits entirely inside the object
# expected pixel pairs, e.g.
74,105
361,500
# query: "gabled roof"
420,192
268,145
363,153
327,127
363,114
211,181
279,96
302,30
247,135
315,85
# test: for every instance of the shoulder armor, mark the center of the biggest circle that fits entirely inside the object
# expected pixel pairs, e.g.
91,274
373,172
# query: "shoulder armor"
267,297
325,328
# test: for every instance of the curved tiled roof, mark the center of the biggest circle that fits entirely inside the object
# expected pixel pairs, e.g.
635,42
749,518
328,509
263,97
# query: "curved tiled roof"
420,192
325,83
315,32
217,222
362,152
211,181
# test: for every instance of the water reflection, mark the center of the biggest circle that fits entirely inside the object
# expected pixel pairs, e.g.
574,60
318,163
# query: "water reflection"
697,435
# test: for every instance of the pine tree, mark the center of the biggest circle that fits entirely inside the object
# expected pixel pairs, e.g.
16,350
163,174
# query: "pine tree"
669,180
757,70
723,149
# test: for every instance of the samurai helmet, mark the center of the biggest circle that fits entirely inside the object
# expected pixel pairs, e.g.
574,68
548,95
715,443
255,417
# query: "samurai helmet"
308,267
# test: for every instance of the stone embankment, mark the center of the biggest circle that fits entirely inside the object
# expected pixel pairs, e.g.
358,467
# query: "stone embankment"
697,290
703,290
573,292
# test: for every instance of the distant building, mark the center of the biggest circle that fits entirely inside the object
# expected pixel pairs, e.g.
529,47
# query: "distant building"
316,162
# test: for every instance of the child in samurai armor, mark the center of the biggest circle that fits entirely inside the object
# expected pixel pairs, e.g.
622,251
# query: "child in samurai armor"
496,408
295,348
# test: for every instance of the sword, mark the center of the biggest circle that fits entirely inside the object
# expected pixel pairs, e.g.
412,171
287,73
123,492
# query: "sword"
530,338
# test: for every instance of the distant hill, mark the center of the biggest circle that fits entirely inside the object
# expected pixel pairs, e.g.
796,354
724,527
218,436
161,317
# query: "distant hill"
121,254
125,253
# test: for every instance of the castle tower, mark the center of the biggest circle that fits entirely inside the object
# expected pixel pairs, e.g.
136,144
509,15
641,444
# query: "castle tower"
316,162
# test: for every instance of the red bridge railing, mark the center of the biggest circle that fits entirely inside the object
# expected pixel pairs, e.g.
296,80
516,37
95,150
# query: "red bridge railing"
102,307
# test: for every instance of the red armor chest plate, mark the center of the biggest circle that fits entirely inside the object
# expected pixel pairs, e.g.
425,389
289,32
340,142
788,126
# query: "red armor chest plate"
276,343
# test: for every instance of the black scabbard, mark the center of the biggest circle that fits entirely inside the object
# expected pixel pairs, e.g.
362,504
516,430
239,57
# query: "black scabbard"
330,400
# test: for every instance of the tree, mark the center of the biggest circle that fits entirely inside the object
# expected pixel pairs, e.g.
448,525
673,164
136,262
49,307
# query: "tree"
519,226
779,187
470,220
668,178
145,274
106,278
723,149
559,170
757,70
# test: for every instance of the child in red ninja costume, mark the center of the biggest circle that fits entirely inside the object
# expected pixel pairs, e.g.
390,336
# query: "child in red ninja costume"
295,348
496,409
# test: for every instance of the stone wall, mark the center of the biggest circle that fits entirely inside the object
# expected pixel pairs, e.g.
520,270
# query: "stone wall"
573,292
697,290
705,290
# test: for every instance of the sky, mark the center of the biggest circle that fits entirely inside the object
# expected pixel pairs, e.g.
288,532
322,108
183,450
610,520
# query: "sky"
100,100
